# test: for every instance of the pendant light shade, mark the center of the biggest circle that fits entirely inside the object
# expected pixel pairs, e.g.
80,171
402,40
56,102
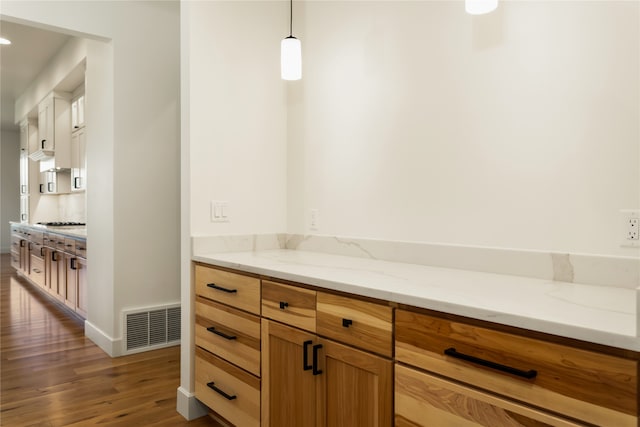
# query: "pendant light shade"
479,7
291,59
291,53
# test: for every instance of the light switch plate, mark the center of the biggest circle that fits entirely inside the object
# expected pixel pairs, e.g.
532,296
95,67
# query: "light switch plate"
219,211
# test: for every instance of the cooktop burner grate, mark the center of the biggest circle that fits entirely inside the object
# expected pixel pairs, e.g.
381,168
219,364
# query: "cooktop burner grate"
62,224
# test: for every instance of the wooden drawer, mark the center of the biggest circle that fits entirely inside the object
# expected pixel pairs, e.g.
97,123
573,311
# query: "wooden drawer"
36,272
81,248
289,304
70,245
594,387
358,323
231,334
424,400
236,396
233,289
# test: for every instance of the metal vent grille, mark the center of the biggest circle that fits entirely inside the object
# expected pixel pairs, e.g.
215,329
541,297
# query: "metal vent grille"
155,328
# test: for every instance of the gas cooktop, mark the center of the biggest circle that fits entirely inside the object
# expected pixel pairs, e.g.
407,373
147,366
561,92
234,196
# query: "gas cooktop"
63,224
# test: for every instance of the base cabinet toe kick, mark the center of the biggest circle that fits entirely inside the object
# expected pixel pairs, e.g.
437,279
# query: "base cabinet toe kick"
276,353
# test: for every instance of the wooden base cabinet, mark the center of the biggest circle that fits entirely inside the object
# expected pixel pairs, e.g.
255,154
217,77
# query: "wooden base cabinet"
310,381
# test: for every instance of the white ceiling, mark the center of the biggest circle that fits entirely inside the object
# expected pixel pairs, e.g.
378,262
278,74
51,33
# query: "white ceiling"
30,50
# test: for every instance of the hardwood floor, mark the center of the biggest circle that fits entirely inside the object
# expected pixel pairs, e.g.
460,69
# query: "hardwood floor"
51,375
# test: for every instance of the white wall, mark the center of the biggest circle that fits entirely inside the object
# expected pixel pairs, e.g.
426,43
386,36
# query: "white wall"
9,185
132,96
519,129
238,116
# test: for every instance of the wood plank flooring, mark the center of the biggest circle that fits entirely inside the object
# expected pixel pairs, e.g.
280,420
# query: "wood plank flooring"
51,375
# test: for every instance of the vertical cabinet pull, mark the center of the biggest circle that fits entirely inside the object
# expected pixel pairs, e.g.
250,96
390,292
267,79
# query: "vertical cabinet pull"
305,355
54,256
316,371
41,251
283,305
212,386
42,188
73,263
76,182
43,141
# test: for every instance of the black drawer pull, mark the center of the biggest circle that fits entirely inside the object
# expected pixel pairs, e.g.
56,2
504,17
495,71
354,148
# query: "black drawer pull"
41,251
54,256
222,334
283,305
305,355
316,371
212,386
220,288
347,322
504,368
73,263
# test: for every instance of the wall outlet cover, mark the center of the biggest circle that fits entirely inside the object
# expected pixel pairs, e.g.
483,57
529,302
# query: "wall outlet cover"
629,227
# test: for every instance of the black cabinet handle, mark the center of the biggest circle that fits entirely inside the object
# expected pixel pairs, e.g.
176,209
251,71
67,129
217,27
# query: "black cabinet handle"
220,288
54,256
76,182
347,322
305,355
30,246
212,386
503,368
41,251
222,334
73,263
316,371
283,305
43,141
41,188
22,242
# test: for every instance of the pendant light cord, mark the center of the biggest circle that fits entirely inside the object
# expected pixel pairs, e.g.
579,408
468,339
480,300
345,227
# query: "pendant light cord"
290,18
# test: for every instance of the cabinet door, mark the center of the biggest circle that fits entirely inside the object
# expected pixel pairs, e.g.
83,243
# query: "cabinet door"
290,389
24,172
357,387
24,208
46,125
71,284
82,298
78,160
60,263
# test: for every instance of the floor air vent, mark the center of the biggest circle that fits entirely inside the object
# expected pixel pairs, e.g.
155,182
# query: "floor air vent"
152,328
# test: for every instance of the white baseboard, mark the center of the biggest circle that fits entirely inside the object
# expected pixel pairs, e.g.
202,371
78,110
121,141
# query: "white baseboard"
188,406
111,346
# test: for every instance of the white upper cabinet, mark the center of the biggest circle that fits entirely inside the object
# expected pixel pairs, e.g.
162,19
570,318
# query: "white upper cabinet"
78,160
77,113
53,148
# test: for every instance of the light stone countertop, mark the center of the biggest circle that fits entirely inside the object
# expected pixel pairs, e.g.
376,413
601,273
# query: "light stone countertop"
598,314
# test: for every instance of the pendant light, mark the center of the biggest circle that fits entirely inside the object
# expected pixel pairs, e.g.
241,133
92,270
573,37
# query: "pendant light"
479,7
290,53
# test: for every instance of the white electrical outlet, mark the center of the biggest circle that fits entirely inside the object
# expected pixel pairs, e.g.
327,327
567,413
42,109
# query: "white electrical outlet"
630,223
219,211
313,219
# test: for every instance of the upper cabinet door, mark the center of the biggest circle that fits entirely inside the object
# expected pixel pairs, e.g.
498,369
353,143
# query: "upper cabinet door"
46,123
77,113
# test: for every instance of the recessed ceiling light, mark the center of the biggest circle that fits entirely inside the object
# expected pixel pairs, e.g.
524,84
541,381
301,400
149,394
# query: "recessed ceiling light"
4,41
